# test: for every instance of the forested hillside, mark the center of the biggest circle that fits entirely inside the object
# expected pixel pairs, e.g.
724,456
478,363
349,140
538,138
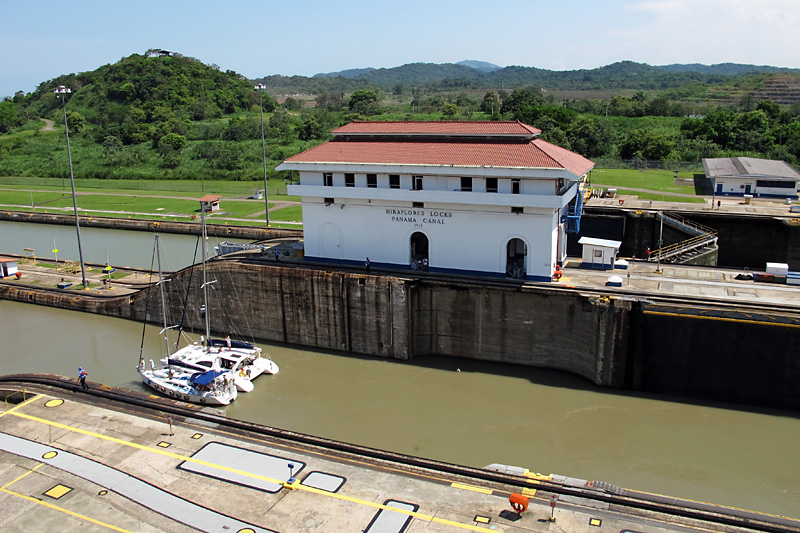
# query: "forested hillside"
165,116
624,75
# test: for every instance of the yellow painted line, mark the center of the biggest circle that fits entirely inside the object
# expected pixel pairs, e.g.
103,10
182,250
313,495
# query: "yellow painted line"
65,511
415,514
722,319
31,471
473,488
145,448
246,474
20,405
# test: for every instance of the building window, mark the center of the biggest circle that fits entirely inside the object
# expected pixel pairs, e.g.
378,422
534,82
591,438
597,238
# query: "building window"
466,184
516,210
416,183
372,181
774,184
349,180
514,186
328,201
417,205
491,184
327,179
394,181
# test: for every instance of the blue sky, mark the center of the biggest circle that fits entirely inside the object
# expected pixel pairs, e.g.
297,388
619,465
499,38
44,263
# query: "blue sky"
42,39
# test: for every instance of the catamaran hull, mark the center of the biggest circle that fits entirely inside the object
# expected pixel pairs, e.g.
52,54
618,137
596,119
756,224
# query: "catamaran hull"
165,387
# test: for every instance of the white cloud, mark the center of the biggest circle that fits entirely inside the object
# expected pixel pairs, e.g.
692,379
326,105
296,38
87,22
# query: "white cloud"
714,31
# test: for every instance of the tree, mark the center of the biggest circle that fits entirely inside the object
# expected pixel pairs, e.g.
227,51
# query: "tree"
310,129
491,102
279,124
293,104
364,102
171,142
331,101
8,116
449,109
772,109
646,144
75,121
242,128
520,99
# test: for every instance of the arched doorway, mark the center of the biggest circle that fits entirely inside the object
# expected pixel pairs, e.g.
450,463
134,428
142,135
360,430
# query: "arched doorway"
419,251
330,237
516,255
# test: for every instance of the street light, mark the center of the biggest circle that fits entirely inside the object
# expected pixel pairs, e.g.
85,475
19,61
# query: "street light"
63,91
261,88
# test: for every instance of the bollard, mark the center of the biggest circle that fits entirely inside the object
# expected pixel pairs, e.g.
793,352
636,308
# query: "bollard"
169,421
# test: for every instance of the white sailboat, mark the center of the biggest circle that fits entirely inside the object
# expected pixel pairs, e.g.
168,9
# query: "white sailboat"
211,386
242,360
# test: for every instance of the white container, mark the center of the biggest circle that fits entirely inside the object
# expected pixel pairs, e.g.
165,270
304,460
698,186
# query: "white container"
777,269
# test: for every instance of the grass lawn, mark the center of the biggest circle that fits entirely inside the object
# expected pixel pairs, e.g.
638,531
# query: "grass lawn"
290,214
186,188
652,180
656,197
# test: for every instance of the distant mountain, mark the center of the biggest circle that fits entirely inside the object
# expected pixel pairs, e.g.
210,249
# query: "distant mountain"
349,73
483,66
623,75
730,69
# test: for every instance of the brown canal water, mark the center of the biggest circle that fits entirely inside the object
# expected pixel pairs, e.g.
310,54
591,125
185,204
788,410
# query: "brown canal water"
461,411
124,248
452,410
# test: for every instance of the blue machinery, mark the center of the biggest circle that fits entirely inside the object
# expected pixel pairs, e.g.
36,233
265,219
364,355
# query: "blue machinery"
573,216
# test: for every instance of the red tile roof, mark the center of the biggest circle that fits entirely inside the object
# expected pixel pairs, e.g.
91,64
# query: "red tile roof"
452,128
210,198
509,154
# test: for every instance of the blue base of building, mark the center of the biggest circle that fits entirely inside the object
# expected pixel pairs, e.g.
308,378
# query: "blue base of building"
453,271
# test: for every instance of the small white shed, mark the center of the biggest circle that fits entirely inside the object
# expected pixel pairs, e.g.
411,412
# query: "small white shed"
599,253
8,267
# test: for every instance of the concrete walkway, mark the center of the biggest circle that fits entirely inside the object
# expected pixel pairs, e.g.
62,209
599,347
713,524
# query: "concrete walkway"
71,462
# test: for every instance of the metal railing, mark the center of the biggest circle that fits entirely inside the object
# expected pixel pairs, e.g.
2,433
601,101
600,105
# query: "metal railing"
703,237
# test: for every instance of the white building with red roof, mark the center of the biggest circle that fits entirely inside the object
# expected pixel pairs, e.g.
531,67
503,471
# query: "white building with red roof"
485,198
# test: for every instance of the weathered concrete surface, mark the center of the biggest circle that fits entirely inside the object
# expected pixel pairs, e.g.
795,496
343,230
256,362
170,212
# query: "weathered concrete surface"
726,351
100,441
565,330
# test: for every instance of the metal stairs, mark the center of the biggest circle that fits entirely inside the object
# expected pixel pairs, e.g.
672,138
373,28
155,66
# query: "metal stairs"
572,220
702,240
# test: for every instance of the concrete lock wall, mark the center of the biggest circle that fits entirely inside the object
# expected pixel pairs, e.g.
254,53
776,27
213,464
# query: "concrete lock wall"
566,331
610,341
748,241
316,308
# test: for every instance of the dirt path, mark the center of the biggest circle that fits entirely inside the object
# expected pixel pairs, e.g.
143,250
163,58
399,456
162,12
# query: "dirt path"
48,125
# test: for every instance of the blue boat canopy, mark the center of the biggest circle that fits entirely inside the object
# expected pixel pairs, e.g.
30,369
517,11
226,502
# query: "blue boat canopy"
204,378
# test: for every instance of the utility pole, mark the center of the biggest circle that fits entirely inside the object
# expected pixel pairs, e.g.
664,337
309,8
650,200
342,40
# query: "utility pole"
63,91
261,88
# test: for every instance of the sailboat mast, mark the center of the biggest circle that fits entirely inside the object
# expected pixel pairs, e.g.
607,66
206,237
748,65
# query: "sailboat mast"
163,300
205,283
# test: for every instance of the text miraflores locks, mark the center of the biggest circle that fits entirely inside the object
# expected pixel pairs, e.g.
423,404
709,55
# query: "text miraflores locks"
416,216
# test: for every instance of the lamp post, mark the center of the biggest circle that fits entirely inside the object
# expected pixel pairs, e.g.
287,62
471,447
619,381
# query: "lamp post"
261,88
63,91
